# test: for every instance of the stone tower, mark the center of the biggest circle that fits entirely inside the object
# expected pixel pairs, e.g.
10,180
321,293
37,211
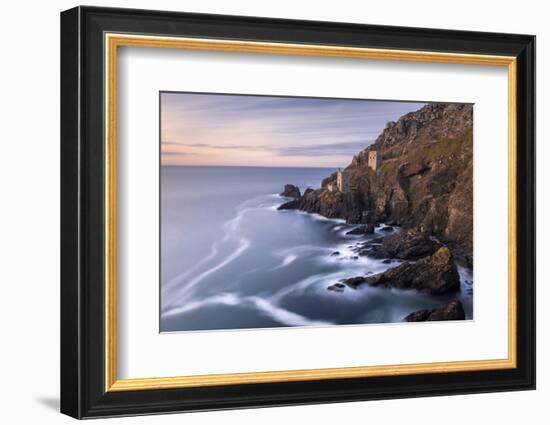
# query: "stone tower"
374,160
342,181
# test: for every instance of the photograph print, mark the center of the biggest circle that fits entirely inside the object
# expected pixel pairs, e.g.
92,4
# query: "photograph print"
300,211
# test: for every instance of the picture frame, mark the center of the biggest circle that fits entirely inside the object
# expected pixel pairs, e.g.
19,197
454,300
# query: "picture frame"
90,40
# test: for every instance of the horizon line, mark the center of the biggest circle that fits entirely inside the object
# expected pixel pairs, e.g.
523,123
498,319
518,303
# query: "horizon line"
247,166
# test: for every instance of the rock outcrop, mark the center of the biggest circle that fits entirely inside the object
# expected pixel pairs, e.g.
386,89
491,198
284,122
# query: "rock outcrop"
352,282
290,205
408,244
337,287
291,191
436,274
453,310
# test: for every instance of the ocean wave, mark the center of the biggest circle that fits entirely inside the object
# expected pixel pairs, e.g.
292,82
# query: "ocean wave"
229,229
262,305
320,217
317,217
224,299
284,316
321,281
288,259
185,291
301,250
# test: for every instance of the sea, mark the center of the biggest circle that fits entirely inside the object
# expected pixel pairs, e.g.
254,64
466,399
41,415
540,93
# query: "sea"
231,260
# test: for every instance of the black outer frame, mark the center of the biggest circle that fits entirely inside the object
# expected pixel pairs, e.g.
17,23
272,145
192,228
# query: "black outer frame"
82,219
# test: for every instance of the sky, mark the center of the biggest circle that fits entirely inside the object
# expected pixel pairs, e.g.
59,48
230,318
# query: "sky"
240,130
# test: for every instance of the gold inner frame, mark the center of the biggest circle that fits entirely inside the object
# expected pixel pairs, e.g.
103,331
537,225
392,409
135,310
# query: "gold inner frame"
113,41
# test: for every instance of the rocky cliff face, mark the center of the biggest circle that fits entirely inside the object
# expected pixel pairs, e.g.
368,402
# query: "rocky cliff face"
424,180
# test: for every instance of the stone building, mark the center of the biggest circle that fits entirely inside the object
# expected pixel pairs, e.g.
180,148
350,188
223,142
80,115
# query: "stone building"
342,181
373,160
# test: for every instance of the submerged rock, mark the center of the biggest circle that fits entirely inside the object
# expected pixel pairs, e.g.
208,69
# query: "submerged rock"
352,282
337,287
436,274
291,191
453,310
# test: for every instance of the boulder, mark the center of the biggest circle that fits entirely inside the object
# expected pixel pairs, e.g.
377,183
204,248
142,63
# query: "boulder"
387,229
418,316
354,282
373,251
337,287
453,310
436,274
291,191
370,248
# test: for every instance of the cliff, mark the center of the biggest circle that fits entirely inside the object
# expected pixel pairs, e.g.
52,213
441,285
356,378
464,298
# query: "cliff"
424,180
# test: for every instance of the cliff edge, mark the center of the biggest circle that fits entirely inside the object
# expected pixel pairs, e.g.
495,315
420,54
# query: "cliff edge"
423,178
